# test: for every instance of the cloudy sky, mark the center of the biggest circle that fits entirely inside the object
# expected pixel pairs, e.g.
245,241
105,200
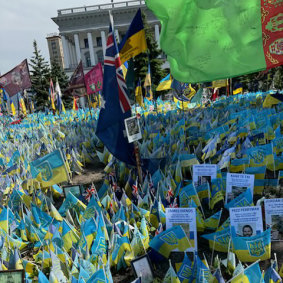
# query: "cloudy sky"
22,21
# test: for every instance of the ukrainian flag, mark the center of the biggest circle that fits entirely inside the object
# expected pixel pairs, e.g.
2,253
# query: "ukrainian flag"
272,99
258,172
13,109
50,169
278,145
249,275
213,221
261,155
250,249
169,240
239,165
165,83
244,199
134,42
147,84
219,240
138,94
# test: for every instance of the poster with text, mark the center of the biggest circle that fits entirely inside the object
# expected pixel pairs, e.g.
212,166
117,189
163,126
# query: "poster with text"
274,217
204,173
246,221
237,184
185,217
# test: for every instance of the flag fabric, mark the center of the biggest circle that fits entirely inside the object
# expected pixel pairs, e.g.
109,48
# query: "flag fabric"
169,240
77,80
219,241
147,84
218,40
94,79
50,169
75,104
115,107
272,99
165,83
52,94
238,88
261,155
244,199
251,274
138,94
134,42
13,109
17,79
186,270
249,249
271,276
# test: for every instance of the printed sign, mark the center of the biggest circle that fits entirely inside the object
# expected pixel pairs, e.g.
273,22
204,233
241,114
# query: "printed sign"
185,217
133,129
237,184
204,173
246,221
274,217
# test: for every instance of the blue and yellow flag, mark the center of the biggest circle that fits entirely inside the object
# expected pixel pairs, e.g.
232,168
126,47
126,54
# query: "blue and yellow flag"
50,169
272,276
244,199
147,84
185,273
261,155
138,94
250,249
219,240
169,240
134,42
165,83
272,99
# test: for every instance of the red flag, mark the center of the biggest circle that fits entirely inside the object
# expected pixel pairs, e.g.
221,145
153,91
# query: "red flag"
94,79
17,79
77,82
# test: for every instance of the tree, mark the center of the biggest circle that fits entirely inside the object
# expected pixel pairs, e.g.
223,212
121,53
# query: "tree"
58,73
153,56
40,76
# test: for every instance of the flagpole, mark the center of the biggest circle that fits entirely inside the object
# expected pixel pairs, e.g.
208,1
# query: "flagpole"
137,154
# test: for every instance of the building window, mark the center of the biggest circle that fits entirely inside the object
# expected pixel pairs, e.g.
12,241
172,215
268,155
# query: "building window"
86,43
98,41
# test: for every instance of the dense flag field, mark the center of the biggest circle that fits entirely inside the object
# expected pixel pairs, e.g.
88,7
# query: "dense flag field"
91,235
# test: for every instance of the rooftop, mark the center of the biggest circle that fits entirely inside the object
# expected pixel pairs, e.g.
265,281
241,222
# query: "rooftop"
102,7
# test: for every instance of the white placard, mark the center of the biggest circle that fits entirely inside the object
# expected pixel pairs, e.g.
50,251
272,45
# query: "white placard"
246,221
204,173
274,217
237,184
133,129
185,217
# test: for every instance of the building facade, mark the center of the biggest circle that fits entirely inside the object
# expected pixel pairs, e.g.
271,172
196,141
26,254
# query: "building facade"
84,30
55,49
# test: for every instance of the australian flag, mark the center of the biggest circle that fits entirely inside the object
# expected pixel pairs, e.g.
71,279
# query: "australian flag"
115,106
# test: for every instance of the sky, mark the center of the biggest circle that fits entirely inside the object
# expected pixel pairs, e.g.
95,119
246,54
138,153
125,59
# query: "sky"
23,21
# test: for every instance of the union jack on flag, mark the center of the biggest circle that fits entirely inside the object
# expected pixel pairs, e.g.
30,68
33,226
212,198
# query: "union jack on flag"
135,188
88,193
169,194
112,58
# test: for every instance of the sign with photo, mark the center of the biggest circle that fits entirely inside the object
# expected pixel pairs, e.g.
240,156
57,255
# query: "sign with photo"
274,217
185,217
237,184
143,269
246,221
133,129
12,276
74,189
204,173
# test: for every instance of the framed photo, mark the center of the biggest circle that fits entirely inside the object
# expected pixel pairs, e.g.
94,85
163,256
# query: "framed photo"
142,268
12,276
76,190
133,129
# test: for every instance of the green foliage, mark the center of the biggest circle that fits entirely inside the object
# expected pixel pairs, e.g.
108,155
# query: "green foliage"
153,55
263,81
40,76
58,73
